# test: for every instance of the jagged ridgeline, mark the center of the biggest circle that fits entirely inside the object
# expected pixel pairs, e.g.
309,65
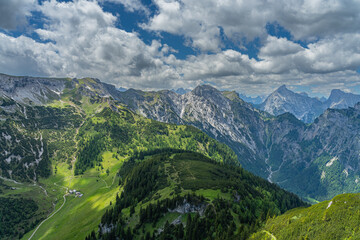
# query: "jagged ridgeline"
334,219
185,195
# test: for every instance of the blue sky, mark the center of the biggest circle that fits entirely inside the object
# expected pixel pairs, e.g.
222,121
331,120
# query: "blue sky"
252,47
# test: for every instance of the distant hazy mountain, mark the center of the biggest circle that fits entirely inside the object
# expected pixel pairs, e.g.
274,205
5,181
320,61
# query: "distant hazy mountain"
301,105
306,108
253,100
181,91
322,99
339,99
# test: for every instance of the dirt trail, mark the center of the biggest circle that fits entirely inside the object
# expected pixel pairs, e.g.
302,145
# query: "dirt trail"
48,217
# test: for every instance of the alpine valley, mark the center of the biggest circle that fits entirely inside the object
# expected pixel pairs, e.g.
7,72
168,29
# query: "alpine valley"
80,159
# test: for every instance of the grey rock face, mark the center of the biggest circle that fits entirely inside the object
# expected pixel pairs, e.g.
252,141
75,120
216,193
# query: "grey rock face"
39,91
30,90
186,207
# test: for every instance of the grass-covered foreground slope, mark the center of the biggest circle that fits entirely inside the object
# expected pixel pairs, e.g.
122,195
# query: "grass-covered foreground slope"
338,218
185,195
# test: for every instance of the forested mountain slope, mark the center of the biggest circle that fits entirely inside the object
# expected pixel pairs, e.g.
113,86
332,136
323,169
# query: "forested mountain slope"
185,195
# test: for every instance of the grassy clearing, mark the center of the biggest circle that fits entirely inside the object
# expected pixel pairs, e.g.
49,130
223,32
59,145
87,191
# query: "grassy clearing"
99,189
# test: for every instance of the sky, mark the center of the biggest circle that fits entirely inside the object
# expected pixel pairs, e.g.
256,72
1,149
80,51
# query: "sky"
250,46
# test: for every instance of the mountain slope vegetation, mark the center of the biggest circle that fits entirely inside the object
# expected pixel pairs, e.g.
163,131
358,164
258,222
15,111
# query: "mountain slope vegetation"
185,195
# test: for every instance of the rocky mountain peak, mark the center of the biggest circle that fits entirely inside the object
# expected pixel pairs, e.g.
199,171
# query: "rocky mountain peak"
282,88
205,90
210,94
336,93
340,99
284,100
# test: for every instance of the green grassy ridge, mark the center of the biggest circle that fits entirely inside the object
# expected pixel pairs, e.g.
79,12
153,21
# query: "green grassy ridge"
338,218
235,201
126,133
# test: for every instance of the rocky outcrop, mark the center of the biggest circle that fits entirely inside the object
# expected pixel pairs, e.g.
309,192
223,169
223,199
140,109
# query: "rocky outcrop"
187,207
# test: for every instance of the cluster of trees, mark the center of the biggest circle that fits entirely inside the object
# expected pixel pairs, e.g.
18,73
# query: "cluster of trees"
90,154
16,217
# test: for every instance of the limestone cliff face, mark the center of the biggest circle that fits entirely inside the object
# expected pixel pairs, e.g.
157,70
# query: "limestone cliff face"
30,90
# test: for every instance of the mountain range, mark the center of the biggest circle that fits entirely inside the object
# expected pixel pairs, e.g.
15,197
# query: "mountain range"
86,135
279,148
71,146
